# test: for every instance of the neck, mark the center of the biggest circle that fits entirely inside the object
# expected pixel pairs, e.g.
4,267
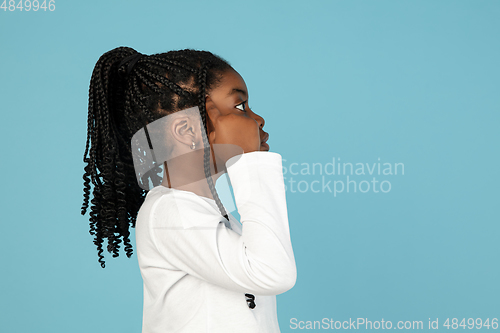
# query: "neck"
186,172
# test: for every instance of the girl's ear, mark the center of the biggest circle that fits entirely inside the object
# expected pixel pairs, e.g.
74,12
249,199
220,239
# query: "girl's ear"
209,103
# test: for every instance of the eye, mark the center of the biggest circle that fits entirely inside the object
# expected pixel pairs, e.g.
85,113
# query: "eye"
242,105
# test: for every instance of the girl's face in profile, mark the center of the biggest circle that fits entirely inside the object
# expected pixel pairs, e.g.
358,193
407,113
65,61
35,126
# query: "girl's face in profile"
231,96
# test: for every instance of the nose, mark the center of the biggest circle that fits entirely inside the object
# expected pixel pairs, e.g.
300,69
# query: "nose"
259,120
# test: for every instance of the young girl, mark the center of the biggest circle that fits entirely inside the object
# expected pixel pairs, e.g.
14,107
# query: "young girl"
161,129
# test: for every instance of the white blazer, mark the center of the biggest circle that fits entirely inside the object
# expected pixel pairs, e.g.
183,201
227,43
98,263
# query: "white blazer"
196,270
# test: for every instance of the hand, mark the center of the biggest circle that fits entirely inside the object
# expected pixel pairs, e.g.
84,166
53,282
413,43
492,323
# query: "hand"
232,129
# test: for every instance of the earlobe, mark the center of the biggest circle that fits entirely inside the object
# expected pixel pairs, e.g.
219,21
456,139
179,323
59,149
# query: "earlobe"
211,137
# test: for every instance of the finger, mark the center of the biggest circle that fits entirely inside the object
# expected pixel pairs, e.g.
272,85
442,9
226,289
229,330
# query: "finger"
211,137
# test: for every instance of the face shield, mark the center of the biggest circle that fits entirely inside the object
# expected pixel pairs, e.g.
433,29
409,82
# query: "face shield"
170,152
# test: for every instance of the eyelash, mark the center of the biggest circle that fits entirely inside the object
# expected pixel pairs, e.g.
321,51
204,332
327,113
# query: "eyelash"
244,108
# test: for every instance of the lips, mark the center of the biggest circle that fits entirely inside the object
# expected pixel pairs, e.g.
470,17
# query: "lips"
265,138
263,142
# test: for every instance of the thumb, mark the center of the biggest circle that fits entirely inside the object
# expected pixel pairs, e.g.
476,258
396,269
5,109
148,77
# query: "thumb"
211,137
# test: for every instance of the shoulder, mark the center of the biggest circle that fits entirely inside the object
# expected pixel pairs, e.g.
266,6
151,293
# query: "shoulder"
180,209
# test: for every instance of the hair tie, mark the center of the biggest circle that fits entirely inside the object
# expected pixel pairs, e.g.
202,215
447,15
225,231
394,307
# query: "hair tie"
132,60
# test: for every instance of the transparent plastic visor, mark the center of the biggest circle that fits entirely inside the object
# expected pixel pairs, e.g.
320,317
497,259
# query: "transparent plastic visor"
170,152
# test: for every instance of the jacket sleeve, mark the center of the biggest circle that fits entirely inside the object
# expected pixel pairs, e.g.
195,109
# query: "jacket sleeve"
261,259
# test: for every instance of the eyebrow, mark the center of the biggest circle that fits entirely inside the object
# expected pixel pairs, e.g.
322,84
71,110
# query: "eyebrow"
237,90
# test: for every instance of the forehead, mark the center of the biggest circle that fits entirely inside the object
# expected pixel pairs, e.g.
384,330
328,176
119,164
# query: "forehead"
231,83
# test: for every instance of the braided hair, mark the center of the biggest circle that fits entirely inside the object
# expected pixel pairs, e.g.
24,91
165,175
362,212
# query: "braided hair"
127,91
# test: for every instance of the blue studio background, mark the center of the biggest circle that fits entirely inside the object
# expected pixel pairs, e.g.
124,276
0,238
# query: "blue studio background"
406,86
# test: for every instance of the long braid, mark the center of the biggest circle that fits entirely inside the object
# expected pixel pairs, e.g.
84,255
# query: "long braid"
206,146
86,179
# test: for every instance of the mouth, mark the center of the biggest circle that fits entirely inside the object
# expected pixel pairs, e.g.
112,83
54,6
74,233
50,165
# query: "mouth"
263,142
